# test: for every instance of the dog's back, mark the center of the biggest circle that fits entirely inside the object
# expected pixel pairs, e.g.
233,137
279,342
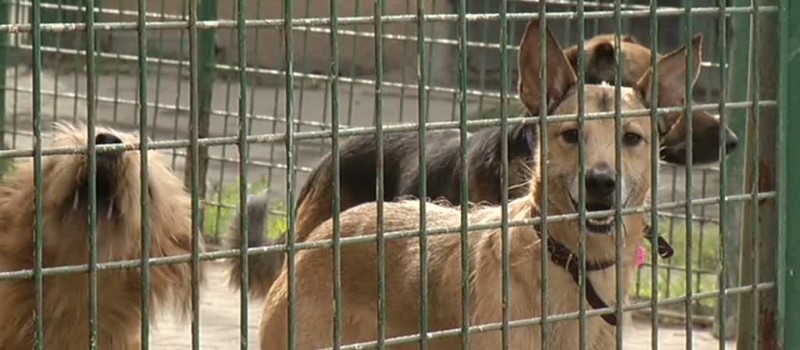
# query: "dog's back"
358,181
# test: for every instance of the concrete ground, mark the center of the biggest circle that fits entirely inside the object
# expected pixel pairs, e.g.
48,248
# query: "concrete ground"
219,325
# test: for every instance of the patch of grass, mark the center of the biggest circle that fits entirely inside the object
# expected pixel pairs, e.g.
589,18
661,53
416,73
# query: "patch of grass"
705,263
222,207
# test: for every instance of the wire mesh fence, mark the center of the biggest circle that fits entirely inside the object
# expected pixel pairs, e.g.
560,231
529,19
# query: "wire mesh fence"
214,85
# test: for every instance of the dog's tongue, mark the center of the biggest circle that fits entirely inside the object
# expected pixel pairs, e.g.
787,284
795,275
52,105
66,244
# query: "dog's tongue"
641,256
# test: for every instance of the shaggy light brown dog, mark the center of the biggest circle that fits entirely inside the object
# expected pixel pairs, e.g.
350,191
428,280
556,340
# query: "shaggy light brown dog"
65,312
314,280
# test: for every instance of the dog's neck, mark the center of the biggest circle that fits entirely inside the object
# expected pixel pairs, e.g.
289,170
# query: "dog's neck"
569,259
632,228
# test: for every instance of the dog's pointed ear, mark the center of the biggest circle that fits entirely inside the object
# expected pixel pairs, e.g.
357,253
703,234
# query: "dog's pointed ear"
560,76
523,139
672,76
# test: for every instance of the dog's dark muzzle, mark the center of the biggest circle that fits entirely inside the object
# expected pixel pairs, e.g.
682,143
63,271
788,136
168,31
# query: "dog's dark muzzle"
107,166
600,188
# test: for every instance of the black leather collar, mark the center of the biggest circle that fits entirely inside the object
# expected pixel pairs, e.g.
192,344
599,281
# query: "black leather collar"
664,248
562,256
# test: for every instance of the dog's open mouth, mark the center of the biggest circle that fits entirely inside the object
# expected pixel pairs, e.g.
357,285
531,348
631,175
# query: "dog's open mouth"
105,183
106,180
599,225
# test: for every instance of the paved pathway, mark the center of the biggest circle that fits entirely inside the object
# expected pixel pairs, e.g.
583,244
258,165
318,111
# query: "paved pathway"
219,325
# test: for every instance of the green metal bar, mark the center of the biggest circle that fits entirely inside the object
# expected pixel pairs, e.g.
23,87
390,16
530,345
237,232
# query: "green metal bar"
543,171
688,34
738,90
723,303
484,53
353,54
57,44
272,149
193,161
185,4
583,327
754,168
304,55
463,115
38,178
504,182
429,53
206,76
618,199
256,53
219,191
159,66
423,175
654,154
336,183
746,321
244,154
379,10
117,66
16,43
404,69
671,234
91,116
788,189
760,215
291,175
143,175
76,64
698,276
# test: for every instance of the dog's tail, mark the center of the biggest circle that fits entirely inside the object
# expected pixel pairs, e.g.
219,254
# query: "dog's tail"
312,210
264,267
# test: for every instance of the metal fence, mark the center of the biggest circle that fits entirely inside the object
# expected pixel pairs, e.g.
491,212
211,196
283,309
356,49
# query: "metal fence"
215,85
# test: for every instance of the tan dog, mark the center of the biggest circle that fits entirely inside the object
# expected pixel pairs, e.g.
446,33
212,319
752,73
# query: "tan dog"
314,281
401,171
66,236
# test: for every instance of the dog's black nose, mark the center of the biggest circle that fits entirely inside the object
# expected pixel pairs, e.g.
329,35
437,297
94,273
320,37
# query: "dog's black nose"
600,181
107,139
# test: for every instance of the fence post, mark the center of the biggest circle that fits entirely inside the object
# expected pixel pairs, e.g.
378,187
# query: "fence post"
739,53
759,238
207,42
788,186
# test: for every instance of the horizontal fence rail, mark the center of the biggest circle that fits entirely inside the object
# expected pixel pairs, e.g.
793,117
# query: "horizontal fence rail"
251,104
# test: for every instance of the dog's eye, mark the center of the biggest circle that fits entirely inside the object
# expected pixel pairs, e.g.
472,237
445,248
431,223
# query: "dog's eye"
631,139
570,135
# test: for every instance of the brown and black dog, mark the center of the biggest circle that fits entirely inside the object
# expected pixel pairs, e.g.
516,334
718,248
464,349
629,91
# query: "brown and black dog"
401,171
401,178
360,306
635,61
